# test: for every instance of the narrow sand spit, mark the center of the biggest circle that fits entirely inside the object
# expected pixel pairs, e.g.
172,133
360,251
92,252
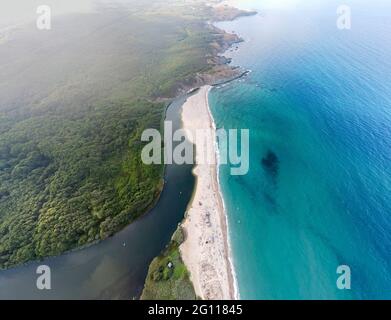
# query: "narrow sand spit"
206,250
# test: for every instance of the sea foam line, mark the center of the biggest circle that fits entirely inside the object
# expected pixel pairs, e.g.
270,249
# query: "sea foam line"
229,247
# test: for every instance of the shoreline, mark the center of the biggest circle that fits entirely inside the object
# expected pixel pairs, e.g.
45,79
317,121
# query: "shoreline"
224,216
206,250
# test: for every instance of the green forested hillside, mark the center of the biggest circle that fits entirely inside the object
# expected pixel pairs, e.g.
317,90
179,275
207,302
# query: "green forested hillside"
67,181
73,104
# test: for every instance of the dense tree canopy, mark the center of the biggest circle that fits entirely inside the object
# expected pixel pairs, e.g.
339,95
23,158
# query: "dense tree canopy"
67,181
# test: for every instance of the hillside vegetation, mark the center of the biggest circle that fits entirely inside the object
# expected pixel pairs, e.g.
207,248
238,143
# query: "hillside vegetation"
73,104
168,277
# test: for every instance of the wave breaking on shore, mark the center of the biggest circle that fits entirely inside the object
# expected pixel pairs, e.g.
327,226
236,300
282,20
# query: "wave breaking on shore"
206,250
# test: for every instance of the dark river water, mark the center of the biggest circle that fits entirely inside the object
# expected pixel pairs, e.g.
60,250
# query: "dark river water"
114,268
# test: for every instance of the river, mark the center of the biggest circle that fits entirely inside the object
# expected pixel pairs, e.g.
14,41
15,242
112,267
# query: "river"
114,268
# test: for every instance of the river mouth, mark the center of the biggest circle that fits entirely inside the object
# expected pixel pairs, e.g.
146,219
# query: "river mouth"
116,267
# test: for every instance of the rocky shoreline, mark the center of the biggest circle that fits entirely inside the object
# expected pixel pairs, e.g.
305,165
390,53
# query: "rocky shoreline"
219,71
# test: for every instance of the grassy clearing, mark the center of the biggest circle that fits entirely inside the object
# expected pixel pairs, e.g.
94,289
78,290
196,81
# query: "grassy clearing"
168,277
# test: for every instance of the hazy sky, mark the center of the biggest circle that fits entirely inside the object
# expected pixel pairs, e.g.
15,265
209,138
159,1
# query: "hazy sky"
15,12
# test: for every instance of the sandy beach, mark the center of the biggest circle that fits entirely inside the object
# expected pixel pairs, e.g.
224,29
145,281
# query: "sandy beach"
206,251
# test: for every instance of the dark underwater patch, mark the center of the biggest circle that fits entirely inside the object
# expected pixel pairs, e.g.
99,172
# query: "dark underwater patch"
269,199
271,163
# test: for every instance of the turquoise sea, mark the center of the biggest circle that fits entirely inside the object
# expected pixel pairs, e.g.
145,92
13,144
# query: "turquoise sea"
318,193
